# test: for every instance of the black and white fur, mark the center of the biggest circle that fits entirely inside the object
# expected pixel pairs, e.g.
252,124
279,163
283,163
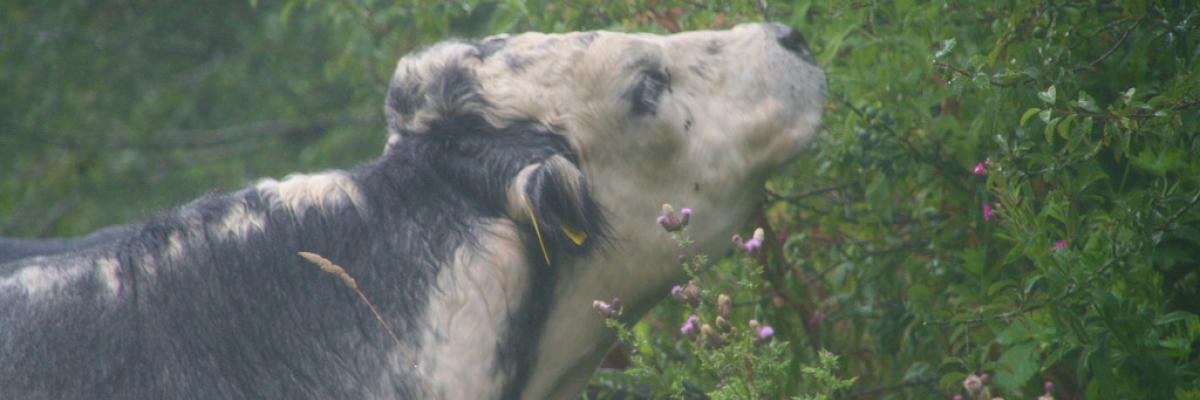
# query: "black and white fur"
588,132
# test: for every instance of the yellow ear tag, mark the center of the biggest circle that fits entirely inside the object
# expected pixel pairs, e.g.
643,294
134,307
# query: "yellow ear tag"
575,235
536,230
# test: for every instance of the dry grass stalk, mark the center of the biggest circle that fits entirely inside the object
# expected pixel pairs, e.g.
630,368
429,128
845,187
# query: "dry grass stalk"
330,267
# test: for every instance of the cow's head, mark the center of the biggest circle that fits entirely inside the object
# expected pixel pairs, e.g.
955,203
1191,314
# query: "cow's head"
694,119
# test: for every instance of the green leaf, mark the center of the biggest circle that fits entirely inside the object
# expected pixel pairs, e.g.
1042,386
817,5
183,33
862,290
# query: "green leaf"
1045,115
1128,96
1064,127
1087,102
1050,127
1021,364
1029,114
1017,332
947,46
1049,95
1172,317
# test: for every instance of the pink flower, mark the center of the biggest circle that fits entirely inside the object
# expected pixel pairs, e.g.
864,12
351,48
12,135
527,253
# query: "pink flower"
750,246
958,397
762,333
981,169
988,213
973,384
1059,245
689,328
816,320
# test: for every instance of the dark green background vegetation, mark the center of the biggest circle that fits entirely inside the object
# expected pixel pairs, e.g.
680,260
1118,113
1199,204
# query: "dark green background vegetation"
878,248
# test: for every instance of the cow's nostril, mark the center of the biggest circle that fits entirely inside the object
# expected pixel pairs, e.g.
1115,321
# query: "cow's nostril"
793,40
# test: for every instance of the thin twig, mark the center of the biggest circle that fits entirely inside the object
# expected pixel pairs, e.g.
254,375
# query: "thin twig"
772,196
1120,41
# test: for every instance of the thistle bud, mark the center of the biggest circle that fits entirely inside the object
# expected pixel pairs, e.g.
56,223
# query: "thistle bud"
723,325
608,310
724,305
750,246
711,337
672,221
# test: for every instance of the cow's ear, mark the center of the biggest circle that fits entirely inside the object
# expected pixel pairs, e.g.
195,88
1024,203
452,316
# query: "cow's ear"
554,197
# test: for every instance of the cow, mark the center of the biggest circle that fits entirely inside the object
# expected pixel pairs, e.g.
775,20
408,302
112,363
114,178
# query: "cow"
520,181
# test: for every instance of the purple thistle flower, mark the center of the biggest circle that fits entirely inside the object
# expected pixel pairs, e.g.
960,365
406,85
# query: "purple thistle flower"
676,291
672,221
980,169
1049,386
762,333
750,246
816,320
1060,245
988,213
689,328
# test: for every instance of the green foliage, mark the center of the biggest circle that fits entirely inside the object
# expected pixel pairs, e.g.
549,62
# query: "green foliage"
878,249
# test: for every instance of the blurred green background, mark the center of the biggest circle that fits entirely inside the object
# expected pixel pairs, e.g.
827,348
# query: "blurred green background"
1086,271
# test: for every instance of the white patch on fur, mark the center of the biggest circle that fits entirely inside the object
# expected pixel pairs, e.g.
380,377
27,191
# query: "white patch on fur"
38,280
518,205
108,273
326,191
468,314
239,221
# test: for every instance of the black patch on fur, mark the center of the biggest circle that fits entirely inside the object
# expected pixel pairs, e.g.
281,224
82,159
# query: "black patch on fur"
245,317
585,39
516,63
700,71
645,95
713,48
451,86
15,249
489,47
403,99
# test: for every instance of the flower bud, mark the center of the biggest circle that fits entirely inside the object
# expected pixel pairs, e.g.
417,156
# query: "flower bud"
723,325
691,293
711,337
672,221
973,384
608,310
724,305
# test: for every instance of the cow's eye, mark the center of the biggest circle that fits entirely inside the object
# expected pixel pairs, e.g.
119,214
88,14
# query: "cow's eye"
647,92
